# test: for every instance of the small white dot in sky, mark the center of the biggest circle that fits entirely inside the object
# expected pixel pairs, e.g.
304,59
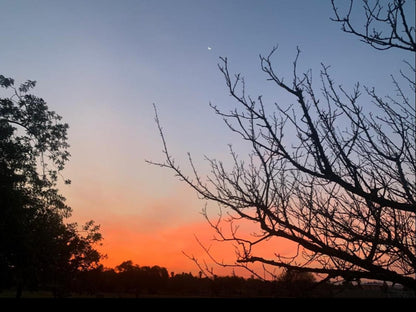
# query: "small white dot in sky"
209,48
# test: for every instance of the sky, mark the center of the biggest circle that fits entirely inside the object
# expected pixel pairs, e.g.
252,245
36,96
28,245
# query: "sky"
102,65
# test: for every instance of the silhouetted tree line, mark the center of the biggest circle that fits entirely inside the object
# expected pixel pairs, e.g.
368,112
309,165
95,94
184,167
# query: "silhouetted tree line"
131,280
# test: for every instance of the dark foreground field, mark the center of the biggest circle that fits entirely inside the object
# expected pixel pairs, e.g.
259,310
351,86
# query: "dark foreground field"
362,292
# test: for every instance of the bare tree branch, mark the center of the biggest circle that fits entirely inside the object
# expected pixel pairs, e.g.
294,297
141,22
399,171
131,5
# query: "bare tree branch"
334,174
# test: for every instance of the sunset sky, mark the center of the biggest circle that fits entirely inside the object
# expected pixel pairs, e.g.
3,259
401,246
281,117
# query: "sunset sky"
102,64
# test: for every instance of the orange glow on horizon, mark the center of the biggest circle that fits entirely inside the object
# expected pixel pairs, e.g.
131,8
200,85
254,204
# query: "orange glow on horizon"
124,241
159,230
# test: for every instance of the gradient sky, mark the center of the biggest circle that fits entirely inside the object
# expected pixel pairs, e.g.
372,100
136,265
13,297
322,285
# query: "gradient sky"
102,64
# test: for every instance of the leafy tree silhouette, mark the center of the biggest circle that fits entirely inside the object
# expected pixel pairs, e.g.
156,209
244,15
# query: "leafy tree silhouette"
36,246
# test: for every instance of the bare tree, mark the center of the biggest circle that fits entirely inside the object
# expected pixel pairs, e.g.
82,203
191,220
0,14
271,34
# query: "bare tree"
328,174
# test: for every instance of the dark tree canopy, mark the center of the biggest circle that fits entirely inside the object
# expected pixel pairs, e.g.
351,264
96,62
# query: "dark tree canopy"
332,172
36,245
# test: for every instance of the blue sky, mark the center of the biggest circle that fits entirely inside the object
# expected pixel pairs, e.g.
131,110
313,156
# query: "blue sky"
102,64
